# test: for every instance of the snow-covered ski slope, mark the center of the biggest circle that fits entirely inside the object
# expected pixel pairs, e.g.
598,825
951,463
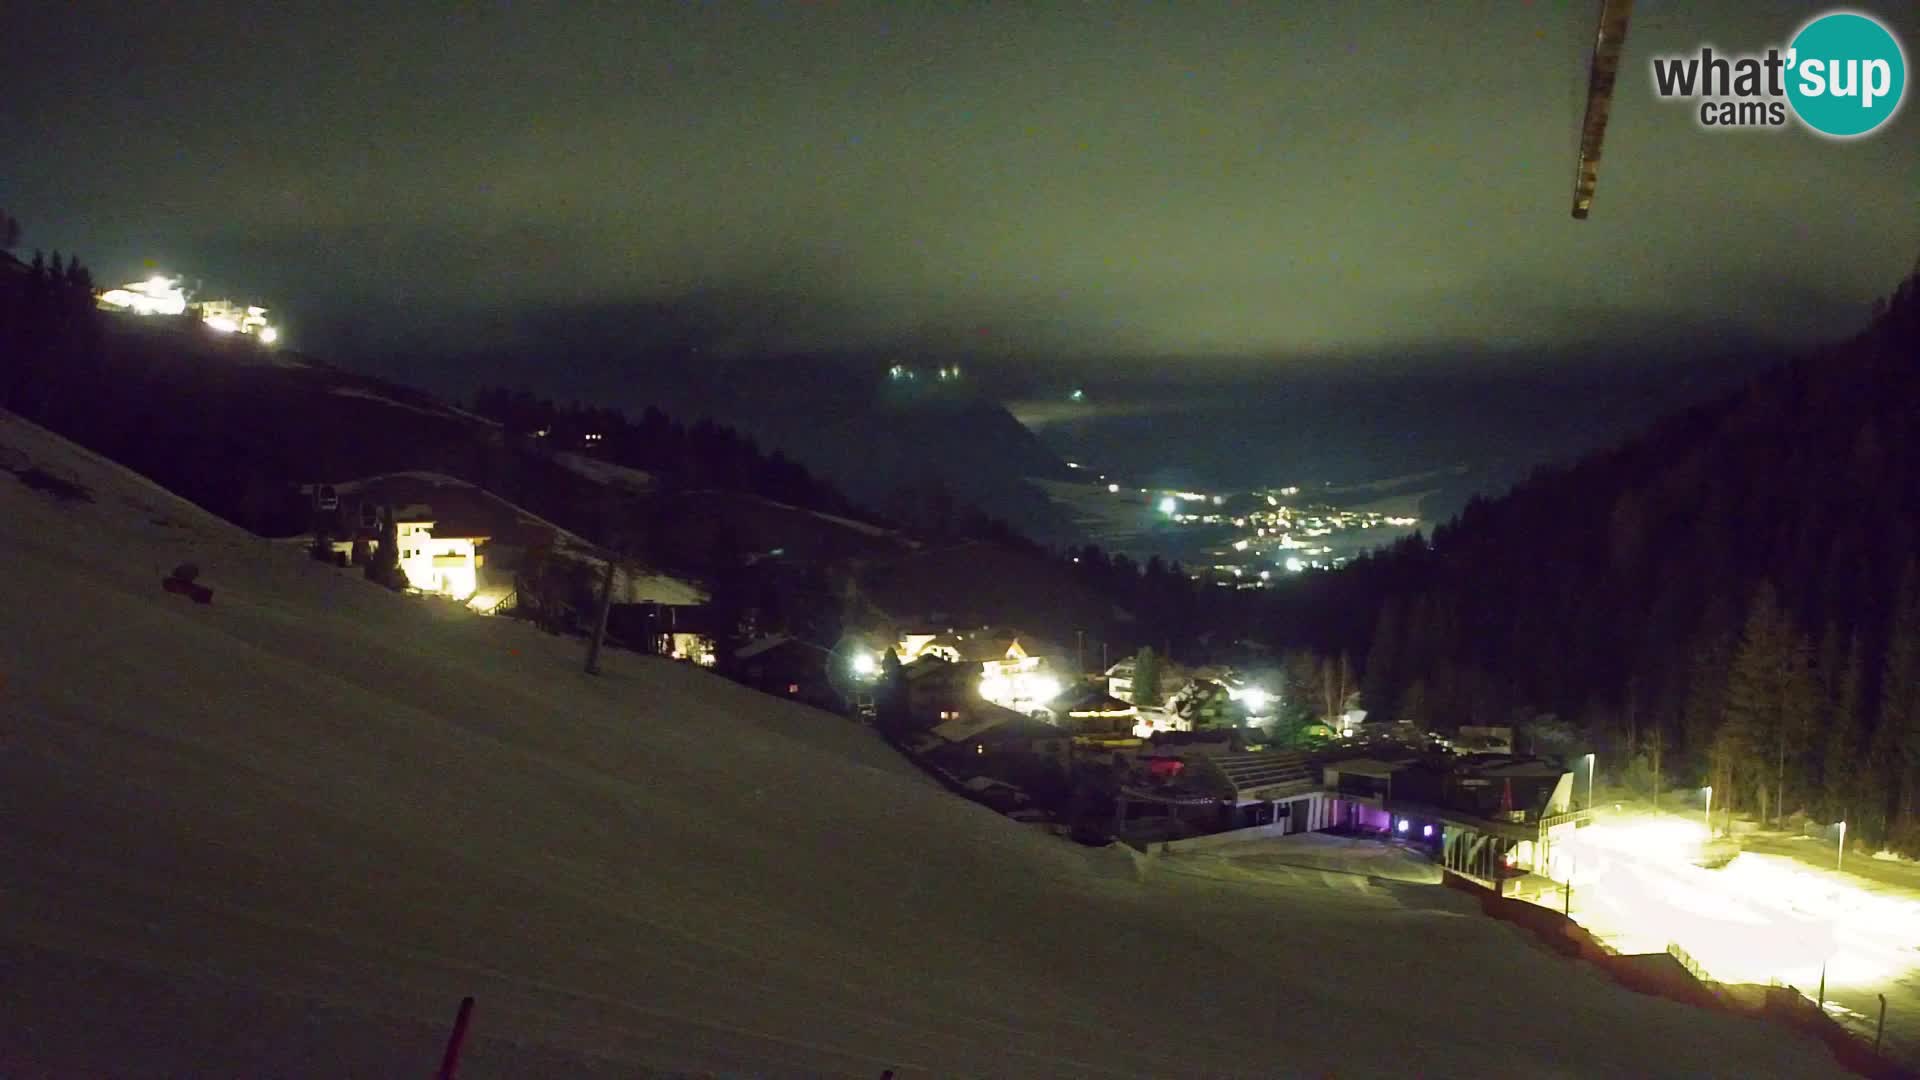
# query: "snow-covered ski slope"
284,834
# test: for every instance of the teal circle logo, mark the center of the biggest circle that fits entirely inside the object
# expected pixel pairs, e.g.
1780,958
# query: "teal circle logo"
1846,74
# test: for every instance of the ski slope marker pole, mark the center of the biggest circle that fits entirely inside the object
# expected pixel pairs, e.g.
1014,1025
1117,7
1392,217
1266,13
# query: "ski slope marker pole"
451,1062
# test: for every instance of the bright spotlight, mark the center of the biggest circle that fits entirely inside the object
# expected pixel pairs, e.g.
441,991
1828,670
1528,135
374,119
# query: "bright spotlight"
1426,831
1044,689
864,664
1402,826
269,335
223,324
1168,506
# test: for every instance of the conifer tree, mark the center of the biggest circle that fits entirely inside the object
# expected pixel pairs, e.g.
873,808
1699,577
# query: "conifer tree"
1843,769
1770,702
1900,691
1146,678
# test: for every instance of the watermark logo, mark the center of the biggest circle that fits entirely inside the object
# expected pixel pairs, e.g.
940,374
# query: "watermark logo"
1843,75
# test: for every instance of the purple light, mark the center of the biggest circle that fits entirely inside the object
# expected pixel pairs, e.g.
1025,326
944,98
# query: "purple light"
1426,830
1402,826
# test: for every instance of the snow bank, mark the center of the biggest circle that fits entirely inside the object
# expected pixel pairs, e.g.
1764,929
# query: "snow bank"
285,833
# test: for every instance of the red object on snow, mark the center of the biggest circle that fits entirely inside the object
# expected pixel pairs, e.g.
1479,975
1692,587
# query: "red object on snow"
198,593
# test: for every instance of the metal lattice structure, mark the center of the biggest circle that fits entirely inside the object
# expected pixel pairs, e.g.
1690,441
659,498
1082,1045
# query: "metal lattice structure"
1609,39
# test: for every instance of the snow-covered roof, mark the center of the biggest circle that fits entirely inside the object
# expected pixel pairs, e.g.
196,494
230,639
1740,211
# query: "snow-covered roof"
987,718
763,645
974,723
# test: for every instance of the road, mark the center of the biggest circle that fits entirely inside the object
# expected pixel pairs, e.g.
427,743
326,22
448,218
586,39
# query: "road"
1777,912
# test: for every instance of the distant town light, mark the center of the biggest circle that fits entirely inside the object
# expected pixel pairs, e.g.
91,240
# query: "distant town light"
268,335
1078,395
223,324
1168,506
1271,501
1073,464
1294,565
1113,489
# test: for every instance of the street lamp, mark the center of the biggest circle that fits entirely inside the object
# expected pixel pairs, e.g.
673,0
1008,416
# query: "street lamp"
1593,765
1840,858
1709,811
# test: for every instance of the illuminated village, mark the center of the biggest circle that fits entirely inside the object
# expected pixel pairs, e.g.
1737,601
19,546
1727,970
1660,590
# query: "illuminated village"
162,295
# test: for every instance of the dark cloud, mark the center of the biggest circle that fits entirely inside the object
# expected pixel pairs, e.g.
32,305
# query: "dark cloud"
1228,185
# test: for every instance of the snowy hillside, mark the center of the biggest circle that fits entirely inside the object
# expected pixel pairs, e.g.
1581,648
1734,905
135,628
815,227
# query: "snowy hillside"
283,834
618,477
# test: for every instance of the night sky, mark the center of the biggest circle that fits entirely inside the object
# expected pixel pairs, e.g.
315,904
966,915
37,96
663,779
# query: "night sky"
1230,187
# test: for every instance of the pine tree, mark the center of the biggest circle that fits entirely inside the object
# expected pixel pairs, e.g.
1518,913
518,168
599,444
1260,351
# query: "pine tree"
1146,678
1386,659
1767,716
384,567
1706,698
1843,769
730,599
1413,706
890,705
1336,687
1900,691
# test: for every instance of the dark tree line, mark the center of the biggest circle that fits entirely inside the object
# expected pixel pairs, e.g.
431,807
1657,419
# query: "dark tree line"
681,456
51,336
931,511
707,455
1729,599
1189,617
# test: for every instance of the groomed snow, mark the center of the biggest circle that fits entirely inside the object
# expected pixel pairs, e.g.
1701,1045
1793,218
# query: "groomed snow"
284,835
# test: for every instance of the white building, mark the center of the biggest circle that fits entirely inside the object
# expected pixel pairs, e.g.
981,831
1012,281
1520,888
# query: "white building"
449,565
155,296
231,318
162,295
